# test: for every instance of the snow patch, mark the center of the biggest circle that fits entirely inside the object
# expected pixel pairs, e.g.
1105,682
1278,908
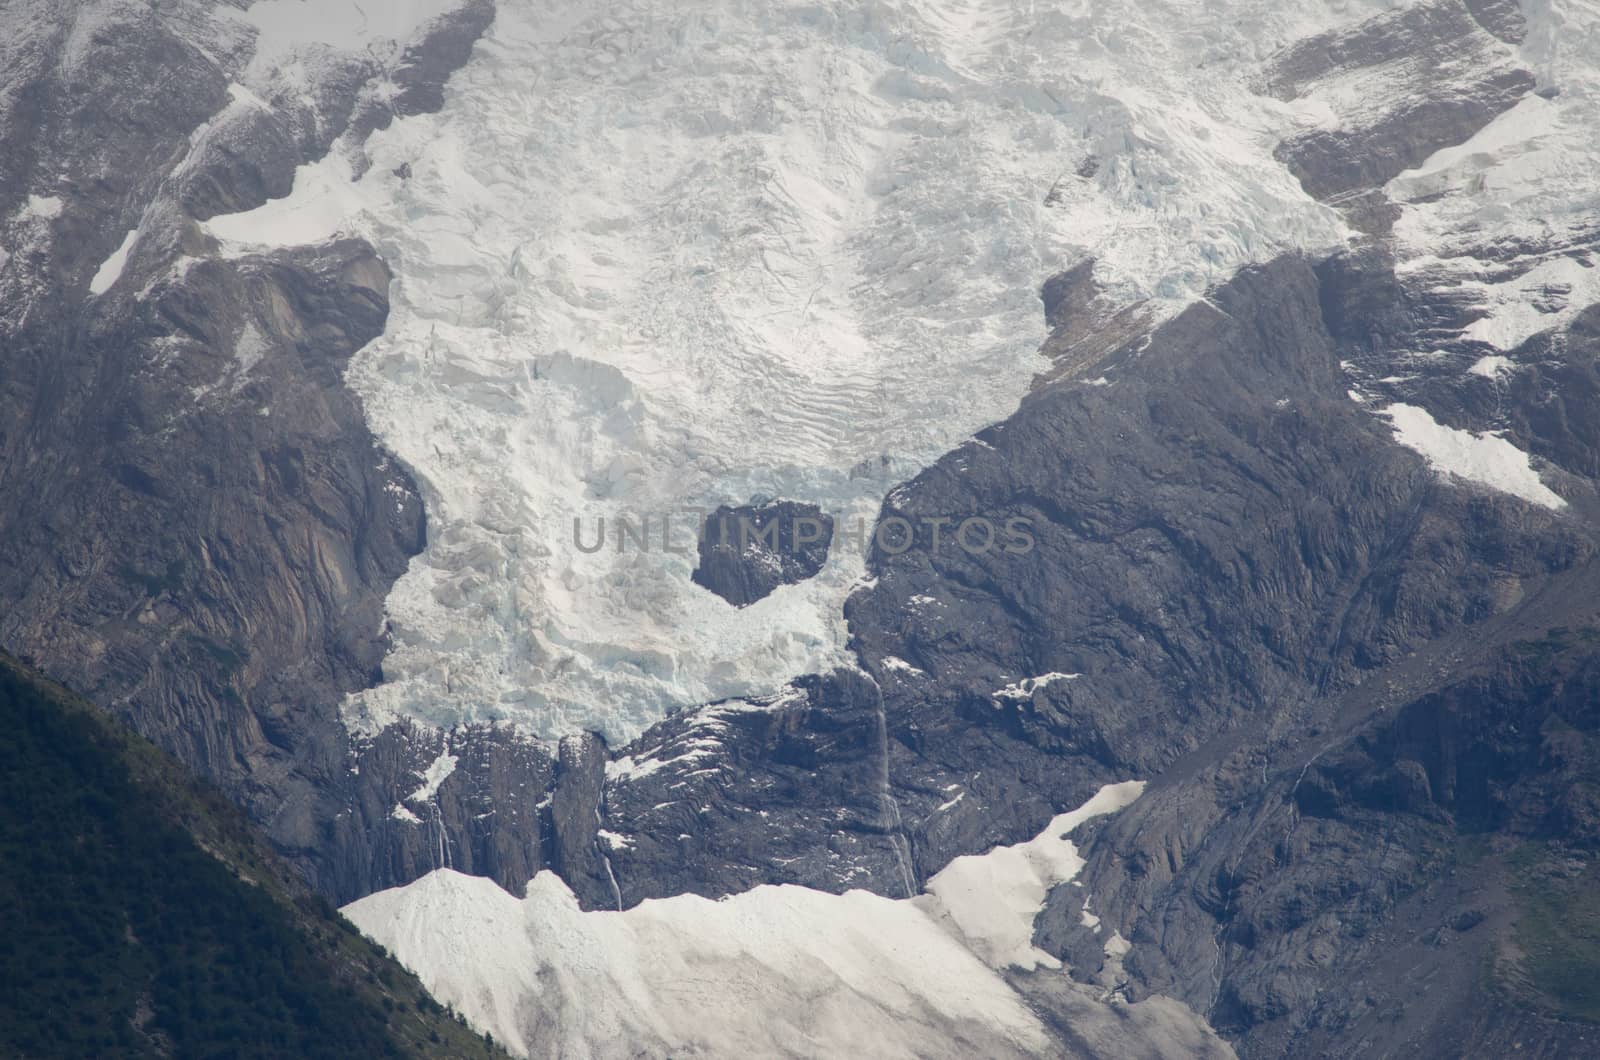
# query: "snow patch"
990,901
1482,458
1511,186
777,971
614,841
42,207
322,199
286,27
110,270
248,351
432,777
896,664
1025,688
1492,367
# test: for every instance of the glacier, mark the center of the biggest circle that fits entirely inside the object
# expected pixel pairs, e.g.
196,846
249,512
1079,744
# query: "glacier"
655,257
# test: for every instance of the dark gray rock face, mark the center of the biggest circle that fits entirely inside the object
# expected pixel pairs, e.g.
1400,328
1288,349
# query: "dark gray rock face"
574,817
220,525
1331,163
483,818
1233,475
443,48
1442,67
198,529
1277,614
787,789
1368,865
750,550
1404,843
1263,899
1229,469
1271,610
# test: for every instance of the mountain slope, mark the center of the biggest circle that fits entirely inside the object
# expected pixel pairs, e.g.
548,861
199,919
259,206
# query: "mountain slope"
1310,451
949,973
199,530
145,918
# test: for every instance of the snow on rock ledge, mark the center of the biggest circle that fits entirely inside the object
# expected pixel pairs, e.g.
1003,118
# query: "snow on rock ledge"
990,900
110,270
1481,458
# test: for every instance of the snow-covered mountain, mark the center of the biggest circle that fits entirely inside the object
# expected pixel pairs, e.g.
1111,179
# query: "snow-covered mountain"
322,323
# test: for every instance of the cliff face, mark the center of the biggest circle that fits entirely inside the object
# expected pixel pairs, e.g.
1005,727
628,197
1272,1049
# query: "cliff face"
1441,839
199,529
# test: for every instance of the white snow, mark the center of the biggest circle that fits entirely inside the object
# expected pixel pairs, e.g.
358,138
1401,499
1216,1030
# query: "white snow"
401,813
248,350
323,197
290,29
614,840
1482,458
776,971
666,255
345,24
896,664
42,207
991,900
1025,688
1520,181
110,270
1514,306
700,739
1492,367
440,768
627,768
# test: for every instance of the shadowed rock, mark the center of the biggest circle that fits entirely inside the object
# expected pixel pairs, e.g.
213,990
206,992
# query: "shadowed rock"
748,551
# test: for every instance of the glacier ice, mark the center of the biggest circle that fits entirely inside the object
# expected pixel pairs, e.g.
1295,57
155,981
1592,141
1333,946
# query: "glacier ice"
288,31
653,257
